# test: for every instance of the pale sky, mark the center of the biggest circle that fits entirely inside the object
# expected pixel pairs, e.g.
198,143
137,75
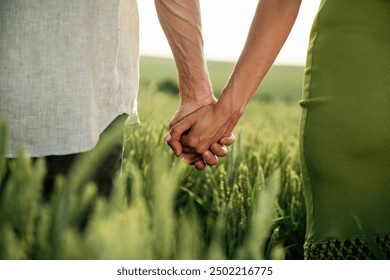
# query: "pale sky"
225,27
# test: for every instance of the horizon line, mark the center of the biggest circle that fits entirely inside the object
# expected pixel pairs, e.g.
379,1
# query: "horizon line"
170,57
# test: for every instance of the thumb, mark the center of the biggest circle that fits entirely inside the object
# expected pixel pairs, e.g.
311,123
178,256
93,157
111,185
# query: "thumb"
179,128
177,118
173,136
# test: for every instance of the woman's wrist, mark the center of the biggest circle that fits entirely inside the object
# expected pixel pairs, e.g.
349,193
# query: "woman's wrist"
227,115
231,105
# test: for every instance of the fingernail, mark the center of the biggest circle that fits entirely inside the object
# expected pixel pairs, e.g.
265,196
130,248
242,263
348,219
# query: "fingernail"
224,149
167,137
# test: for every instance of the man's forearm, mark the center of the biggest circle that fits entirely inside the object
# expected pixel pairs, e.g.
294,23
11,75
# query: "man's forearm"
181,22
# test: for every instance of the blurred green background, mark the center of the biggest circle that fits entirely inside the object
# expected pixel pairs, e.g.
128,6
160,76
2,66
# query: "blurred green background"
249,206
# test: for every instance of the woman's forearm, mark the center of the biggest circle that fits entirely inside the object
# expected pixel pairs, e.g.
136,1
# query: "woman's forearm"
270,28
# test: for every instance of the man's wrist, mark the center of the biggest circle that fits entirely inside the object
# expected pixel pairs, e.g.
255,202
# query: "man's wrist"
201,95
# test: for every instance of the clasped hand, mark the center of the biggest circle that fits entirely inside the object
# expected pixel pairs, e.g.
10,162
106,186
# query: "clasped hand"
201,136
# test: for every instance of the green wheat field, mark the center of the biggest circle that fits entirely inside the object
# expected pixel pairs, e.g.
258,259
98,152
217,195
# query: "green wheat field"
249,206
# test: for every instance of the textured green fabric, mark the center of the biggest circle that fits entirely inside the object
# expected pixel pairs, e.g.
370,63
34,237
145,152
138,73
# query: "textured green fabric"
353,248
345,122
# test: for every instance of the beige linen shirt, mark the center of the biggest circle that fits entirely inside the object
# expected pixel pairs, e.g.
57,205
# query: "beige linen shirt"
67,70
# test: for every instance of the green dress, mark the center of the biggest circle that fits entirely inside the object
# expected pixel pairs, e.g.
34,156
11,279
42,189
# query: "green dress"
345,131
